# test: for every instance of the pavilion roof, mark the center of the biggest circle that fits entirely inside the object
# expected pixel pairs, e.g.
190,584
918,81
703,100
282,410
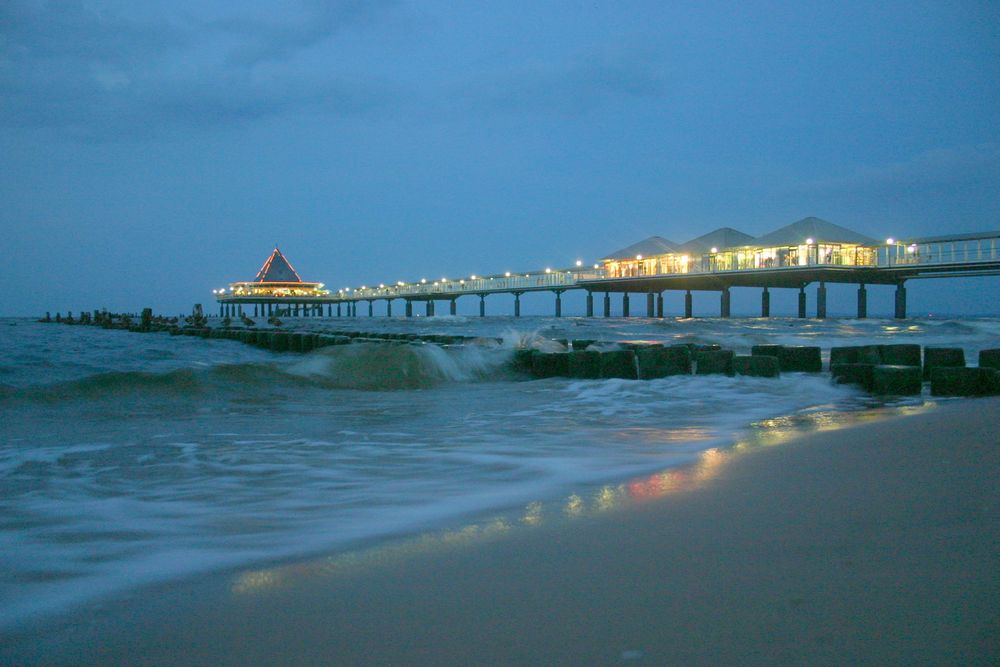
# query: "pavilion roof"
812,228
277,269
654,245
723,237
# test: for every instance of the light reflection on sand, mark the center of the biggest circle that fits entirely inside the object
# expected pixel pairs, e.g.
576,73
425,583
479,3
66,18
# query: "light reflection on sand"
608,498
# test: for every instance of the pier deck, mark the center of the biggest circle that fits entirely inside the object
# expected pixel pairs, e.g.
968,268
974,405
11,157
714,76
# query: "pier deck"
889,264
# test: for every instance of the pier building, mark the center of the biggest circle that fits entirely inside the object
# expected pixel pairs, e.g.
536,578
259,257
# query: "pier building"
809,251
275,283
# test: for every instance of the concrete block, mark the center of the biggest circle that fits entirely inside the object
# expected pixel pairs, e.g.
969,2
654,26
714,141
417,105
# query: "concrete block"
308,342
897,380
844,355
767,350
279,341
708,362
900,354
581,343
963,381
854,373
759,365
658,362
618,364
989,358
549,364
585,364
872,354
942,357
800,358
522,360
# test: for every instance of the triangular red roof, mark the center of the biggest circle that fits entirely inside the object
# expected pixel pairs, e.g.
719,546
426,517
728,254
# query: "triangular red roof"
277,270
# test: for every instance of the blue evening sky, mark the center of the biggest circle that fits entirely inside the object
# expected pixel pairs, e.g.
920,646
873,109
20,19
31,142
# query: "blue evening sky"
153,151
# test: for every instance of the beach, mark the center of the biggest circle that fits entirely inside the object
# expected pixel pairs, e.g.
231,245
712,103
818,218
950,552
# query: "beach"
871,544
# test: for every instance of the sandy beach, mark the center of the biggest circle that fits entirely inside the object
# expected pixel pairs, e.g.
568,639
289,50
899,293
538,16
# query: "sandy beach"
873,544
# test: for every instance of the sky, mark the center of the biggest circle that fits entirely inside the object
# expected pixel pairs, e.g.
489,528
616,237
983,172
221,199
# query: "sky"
150,152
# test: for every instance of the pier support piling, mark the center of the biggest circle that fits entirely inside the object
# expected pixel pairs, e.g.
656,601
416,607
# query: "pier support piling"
517,304
558,303
409,308
388,307
625,304
724,303
590,303
900,301
688,305
371,308
429,308
650,304
659,305
765,303
607,304
482,305
802,301
821,301
453,306
862,302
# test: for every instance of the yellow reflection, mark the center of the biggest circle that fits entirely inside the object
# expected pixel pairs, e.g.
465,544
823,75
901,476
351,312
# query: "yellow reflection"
532,514
761,434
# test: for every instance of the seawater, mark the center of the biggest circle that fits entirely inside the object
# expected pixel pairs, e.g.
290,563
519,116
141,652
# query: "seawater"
129,459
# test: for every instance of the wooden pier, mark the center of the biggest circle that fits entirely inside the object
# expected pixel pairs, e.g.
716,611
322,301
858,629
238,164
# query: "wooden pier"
809,252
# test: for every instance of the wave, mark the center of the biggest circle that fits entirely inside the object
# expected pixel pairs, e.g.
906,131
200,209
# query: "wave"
361,366
373,366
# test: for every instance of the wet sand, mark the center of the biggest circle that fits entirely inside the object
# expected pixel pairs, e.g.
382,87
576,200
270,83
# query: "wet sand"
875,544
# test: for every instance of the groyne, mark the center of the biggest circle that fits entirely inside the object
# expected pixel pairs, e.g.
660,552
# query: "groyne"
883,370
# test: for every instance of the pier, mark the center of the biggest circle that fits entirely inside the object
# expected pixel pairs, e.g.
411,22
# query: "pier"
808,252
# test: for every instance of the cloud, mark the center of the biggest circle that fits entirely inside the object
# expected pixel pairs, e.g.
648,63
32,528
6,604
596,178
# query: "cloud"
572,87
941,169
99,75
263,40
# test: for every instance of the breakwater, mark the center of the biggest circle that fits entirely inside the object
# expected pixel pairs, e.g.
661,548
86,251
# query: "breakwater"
885,370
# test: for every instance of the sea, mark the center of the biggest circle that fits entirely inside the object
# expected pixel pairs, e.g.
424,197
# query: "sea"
130,460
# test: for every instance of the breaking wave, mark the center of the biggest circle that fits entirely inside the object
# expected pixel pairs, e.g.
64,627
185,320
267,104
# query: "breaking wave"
363,366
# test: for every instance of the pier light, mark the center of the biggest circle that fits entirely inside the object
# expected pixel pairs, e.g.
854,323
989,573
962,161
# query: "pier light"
363,287
473,276
548,270
685,259
462,281
597,266
506,274
638,256
423,281
912,248
444,280
579,262
714,249
890,241
809,241
401,283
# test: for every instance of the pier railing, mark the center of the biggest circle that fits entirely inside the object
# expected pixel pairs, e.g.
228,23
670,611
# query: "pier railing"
445,288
